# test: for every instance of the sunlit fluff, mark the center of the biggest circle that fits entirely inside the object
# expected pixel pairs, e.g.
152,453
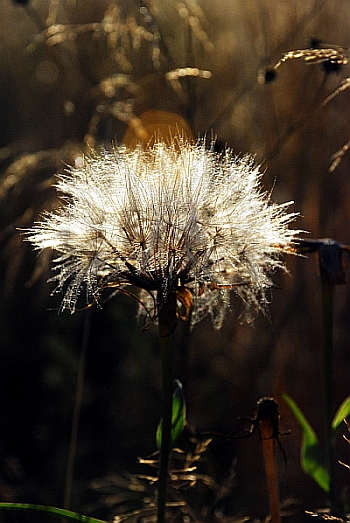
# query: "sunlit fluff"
175,216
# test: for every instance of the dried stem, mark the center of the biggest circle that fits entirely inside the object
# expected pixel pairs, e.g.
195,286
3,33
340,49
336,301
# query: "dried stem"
268,438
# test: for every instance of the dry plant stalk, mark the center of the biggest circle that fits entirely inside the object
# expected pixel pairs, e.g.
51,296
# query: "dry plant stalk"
334,54
337,156
267,417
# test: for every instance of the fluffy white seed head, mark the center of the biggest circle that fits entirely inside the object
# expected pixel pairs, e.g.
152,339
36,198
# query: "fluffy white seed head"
173,215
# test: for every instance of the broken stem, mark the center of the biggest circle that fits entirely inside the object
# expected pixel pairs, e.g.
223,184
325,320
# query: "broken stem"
268,439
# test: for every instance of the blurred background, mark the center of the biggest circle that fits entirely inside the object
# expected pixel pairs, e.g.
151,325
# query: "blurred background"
77,74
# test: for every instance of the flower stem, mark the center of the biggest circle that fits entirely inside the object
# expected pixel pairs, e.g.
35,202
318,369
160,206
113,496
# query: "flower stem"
167,325
327,353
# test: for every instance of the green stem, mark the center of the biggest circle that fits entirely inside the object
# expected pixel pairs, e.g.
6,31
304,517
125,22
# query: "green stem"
167,325
327,354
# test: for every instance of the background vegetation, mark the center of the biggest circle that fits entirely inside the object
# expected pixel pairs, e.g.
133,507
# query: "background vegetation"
79,73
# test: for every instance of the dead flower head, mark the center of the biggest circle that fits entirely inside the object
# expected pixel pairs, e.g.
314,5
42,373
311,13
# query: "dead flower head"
174,216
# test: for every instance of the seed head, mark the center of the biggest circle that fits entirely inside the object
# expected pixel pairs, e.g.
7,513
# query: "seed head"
175,216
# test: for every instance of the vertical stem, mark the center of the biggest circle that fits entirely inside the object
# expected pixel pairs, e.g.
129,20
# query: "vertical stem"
167,325
327,355
268,439
76,413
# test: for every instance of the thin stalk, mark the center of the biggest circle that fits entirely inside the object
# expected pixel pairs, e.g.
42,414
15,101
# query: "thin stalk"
167,325
327,290
268,439
77,408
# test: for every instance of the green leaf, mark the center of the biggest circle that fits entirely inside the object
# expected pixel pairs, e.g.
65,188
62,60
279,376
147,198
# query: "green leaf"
310,452
53,511
178,419
341,414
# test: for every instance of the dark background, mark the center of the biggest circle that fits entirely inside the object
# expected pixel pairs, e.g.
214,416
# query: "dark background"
52,106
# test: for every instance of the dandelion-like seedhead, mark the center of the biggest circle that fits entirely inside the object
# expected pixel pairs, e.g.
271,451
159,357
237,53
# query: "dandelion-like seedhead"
175,216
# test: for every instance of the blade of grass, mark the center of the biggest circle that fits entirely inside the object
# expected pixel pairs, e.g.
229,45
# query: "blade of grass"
51,511
178,417
310,452
341,414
